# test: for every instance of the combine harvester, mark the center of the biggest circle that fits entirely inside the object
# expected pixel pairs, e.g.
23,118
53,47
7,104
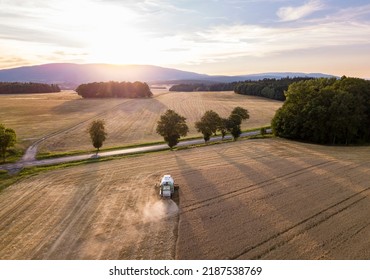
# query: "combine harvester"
167,186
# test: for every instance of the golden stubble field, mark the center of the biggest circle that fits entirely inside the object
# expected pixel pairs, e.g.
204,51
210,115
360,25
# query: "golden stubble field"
34,116
267,199
128,121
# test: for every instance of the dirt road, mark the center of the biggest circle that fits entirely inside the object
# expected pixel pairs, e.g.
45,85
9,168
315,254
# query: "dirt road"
31,162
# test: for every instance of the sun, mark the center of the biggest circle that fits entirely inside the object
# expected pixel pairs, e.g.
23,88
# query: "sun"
117,45
110,34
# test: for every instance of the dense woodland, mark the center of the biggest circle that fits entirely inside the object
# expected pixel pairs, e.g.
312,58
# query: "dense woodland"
203,87
114,90
326,111
268,88
16,87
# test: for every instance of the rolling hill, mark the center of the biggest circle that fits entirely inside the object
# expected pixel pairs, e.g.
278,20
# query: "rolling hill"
70,75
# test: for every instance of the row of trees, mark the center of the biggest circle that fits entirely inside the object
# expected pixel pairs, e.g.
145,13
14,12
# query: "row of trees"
326,111
172,126
268,88
211,122
17,87
8,138
114,90
203,87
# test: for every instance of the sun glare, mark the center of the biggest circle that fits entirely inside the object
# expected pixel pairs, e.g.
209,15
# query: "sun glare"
110,34
117,44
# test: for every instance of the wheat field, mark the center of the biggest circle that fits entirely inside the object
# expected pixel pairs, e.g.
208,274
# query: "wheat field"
254,199
62,118
134,121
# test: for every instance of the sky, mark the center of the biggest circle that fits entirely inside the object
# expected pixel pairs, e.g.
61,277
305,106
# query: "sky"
212,37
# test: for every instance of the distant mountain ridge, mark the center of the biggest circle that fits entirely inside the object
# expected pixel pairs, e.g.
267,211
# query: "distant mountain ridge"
70,75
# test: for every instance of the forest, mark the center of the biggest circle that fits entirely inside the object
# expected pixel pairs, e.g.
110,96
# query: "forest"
268,88
326,111
17,87
114,90
203,87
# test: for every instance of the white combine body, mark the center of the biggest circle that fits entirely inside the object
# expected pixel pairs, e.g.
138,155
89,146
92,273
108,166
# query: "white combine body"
167,186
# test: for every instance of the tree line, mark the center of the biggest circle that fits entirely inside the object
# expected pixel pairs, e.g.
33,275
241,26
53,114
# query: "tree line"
114,90
326,111
172,126
268,88
203,87
17,87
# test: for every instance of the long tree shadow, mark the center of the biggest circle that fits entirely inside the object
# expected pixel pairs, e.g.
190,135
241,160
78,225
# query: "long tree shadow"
204,217
291,205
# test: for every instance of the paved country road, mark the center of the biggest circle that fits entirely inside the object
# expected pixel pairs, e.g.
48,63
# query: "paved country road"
15,167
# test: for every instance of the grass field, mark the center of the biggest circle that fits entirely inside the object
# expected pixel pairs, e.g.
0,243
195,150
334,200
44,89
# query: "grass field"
268,199
129,121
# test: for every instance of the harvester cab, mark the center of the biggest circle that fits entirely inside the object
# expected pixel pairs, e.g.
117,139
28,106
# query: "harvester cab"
167,186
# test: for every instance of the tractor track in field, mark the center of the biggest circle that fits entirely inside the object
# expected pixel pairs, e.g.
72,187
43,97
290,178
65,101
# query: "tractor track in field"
259,199
200,204
69,221
346,239
256,186
85,206
303,226
23,226
250,188
30,154
77,219
8,215
295,227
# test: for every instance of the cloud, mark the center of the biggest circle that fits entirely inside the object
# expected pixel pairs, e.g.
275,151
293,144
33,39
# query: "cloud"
12,61
295,13
31,35
148,7
221,43
166,32
351,13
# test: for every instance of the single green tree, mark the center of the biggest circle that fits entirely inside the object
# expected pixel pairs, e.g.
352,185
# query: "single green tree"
235,119
211,120
233,126
243,113
172,126
222,127
8,138
204,129
236,132
208,124
97,134
238,114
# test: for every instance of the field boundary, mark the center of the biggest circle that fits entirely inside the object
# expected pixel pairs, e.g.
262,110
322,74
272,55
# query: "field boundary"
13,172
183,144
82,152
